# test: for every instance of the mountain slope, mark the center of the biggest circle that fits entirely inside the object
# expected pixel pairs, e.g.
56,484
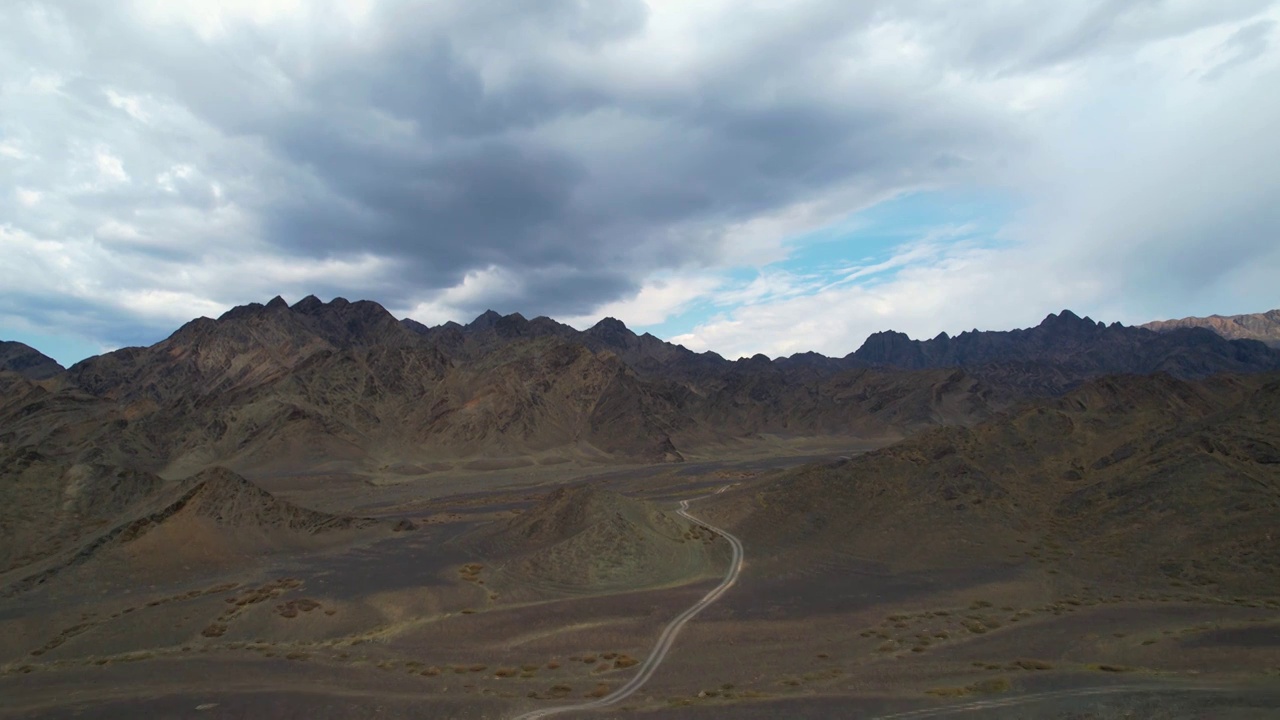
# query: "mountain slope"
54,517
584,538
1140,477
1263,327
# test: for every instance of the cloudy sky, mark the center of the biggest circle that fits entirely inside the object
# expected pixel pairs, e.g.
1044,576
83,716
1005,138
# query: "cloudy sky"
745,176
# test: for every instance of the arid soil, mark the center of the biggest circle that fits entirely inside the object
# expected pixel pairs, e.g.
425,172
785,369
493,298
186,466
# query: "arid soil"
452,619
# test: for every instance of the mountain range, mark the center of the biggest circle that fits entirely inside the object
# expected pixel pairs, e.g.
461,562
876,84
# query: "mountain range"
346,387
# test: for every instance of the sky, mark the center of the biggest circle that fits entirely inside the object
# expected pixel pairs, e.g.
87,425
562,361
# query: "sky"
745,177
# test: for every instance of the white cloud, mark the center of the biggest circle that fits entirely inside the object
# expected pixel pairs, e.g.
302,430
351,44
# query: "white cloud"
658,300
214,19
115,230
132,105
28,197
110,167
12,150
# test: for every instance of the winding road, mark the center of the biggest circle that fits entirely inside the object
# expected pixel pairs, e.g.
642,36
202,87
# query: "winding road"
668,636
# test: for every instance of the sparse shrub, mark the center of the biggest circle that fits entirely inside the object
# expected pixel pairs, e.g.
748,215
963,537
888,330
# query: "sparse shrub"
948,691
1034,665
994,685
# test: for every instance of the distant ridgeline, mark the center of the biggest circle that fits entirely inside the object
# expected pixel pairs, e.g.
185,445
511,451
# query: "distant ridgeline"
272,388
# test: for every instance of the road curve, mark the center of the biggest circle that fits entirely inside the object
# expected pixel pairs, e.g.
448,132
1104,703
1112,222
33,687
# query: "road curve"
668,636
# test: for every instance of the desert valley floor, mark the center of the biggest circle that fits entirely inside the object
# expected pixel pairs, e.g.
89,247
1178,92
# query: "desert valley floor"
449,620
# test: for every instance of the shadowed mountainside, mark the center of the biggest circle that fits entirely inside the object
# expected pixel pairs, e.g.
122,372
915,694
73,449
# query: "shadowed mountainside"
1263,327
1133,478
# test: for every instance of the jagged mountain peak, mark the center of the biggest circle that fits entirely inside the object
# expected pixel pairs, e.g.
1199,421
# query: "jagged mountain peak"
610,324
1067,320
484,320
308,305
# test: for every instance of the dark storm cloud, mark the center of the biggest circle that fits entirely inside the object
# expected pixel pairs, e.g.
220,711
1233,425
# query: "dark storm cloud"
402,149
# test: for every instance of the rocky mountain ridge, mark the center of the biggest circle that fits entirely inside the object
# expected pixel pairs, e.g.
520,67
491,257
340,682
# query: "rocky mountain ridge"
346,387
1263,327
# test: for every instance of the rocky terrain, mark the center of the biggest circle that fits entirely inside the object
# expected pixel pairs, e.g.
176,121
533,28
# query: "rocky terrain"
1139,479
345,387
319,510
1263,327
1065,349
583,539
55,517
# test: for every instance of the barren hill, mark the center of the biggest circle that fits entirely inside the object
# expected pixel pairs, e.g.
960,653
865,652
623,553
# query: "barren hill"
1131,477
1263,327
54,517
584,538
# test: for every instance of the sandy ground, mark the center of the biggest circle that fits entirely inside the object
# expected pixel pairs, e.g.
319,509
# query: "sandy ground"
419,626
